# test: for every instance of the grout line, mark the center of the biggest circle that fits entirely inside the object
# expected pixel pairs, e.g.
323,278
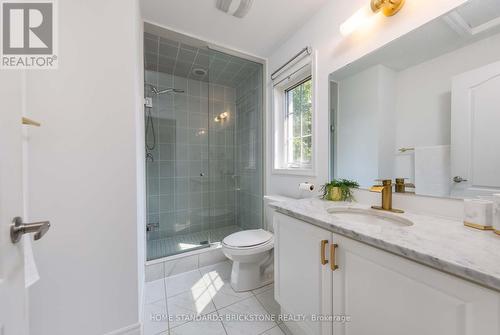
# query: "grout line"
222,323
166,303
276,325
234,303
264,307
252,296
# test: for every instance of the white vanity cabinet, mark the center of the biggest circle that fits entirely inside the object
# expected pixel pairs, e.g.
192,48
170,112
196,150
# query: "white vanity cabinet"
381,293
303,285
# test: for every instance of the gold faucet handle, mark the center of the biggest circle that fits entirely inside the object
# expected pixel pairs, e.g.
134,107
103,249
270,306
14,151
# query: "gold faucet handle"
380,188
401,185
377,188
385,182
402,181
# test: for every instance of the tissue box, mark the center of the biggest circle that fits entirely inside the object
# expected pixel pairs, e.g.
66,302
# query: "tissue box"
478,214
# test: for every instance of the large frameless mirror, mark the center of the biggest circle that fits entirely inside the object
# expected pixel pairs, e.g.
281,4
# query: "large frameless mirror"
425,108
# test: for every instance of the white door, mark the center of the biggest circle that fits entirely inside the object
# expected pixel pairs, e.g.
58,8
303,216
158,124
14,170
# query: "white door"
387,294
13,316
303,284
475,132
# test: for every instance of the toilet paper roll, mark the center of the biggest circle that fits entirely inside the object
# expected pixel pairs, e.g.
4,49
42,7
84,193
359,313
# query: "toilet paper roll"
308,187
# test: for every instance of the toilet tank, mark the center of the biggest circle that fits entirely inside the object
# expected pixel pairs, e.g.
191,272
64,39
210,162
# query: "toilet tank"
269,212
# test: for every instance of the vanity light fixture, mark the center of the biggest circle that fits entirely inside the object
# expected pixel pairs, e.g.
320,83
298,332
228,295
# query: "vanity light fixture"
362,16
387,7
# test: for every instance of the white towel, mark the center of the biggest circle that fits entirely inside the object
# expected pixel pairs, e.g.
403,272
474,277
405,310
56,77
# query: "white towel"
31,275
433,171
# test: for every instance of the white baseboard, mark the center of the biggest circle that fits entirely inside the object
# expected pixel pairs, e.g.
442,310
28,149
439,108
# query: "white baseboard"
134,329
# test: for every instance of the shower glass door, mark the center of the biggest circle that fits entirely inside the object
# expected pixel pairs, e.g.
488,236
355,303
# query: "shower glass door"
235,145
176,124
204,162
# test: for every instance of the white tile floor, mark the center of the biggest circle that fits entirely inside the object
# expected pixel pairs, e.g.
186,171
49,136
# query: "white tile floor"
207,294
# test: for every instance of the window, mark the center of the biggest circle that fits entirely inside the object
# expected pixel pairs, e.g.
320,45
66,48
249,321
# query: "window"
294,117
298,125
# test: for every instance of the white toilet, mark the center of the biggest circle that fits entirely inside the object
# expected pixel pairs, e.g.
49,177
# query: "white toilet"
252,252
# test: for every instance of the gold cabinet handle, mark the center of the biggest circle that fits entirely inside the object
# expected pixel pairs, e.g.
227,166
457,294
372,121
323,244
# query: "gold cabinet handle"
324,261
333,263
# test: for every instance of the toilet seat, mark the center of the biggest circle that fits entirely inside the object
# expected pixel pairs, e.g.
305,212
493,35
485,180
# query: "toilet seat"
247,239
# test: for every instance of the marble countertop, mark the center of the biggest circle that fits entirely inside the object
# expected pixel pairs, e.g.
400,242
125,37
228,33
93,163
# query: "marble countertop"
441,243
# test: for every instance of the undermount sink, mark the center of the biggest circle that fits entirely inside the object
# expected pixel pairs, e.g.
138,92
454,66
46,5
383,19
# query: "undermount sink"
369,216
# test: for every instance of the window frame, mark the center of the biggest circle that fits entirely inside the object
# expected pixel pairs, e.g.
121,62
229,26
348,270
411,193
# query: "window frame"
289,146
293,76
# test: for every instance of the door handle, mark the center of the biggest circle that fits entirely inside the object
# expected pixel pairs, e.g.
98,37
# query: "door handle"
18,229
333,263
324,243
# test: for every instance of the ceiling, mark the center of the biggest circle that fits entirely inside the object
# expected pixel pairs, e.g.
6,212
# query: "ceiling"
445,34
169,55
268,24
478,12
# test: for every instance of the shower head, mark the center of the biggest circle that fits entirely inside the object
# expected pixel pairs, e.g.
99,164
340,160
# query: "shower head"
167,90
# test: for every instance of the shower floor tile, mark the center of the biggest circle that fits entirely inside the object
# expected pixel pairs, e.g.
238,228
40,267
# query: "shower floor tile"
177,244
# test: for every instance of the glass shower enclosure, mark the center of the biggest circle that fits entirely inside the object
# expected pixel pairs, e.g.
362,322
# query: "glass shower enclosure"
204,155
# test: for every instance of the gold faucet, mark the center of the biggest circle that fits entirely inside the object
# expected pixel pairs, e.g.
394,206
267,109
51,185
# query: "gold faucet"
386,190
401,186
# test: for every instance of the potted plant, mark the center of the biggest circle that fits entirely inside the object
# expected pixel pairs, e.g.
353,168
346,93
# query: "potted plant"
339,190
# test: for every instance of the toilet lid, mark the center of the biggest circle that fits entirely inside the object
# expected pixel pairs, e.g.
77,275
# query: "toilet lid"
247,238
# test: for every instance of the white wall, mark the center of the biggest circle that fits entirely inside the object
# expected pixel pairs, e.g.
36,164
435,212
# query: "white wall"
83,172
387,138
322,33
364,138
423,97
358,113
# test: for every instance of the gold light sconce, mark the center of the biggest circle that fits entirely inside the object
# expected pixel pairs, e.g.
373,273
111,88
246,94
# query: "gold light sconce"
387,7
366,14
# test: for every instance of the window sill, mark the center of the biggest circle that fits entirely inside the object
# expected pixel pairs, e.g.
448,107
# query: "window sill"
294,172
